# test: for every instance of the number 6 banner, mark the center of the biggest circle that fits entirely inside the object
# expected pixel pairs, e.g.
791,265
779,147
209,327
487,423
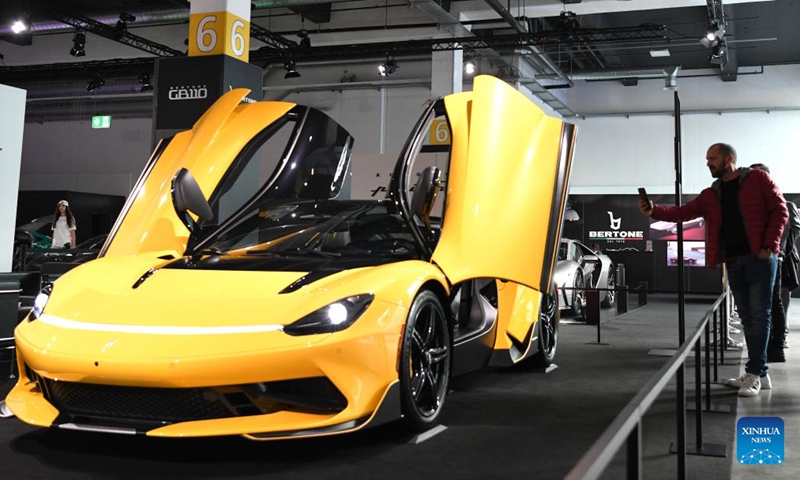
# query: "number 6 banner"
220,27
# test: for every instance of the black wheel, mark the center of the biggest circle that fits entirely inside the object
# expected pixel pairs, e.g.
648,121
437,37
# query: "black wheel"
548,330
611,295
578,295
425,362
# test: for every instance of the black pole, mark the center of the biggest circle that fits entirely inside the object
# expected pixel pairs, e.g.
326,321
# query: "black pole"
708,364
723,328
635,452
598,331
698,398
681,386
716,342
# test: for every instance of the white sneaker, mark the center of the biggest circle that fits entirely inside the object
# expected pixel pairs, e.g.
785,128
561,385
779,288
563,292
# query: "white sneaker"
737,382
751,385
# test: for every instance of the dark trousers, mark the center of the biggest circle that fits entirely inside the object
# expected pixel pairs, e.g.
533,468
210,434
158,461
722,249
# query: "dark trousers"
751,280
778,332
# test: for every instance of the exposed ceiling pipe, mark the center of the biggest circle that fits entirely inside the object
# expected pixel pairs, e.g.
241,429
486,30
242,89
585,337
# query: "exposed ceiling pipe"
322,87
506,15
625,73
669,74
522,28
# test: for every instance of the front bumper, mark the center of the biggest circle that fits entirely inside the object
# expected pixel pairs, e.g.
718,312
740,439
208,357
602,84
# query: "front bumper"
304,388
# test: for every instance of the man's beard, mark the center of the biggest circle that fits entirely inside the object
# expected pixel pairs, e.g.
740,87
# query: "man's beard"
717,173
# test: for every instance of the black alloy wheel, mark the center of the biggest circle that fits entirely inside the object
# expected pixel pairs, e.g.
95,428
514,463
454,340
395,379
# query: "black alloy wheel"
548,330
578,295
425,362
611,295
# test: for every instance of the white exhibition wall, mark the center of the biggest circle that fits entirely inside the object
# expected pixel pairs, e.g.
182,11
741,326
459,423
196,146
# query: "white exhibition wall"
615,154
12,118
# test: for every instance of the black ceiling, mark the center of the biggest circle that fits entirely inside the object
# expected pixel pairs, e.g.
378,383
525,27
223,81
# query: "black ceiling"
761,33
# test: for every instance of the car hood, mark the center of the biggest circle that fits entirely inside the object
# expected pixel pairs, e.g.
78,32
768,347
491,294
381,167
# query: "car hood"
95,316
145,294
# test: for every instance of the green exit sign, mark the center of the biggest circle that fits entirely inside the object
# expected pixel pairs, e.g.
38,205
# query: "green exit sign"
101,121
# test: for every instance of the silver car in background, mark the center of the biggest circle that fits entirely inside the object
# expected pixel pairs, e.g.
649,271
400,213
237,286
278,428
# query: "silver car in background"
579,268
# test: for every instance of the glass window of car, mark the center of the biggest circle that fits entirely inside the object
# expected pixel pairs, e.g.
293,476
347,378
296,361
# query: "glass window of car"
562,250
432,148
325,227
252,169
305,154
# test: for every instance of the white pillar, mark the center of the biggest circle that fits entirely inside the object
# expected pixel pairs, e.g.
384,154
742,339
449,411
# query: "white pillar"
446,72
12,125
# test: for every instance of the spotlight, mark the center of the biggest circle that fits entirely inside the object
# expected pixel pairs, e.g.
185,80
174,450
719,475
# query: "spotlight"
95,83
20,26
469,66
291,69
144,80
388,68
305,41
122,23
78,44
713,35
719,55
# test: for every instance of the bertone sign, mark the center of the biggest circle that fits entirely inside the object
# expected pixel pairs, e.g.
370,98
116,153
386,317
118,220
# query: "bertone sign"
615,232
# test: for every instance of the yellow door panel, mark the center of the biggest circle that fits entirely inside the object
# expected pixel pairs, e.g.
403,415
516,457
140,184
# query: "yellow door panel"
507,188
518,311
148,222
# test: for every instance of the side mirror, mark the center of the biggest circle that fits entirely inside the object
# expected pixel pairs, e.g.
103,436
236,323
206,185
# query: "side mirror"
591,258
187,197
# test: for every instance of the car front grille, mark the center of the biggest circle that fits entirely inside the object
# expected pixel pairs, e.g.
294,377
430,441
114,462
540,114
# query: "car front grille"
146,407
166,405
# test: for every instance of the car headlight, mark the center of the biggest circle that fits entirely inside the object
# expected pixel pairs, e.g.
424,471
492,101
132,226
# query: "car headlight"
39,302
331,318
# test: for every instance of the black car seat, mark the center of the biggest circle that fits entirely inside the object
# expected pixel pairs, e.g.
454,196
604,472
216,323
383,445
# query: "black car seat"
425,192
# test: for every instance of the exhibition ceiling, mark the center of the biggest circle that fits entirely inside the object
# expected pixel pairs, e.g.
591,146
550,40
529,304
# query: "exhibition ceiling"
546,45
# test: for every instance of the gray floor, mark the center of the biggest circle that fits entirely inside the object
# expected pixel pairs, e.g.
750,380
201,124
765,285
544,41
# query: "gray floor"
783,401
501,423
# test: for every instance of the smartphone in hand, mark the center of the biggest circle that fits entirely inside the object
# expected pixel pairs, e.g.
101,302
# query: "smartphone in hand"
645,205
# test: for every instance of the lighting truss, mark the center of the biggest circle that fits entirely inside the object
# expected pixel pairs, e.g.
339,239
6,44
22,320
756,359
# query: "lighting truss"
59,70
271,39
715,11
498,42
98,28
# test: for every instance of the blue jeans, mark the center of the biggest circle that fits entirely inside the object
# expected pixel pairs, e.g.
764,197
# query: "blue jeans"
751,280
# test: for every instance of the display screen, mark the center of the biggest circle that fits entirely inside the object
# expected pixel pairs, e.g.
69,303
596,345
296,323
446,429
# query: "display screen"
694,254
692,230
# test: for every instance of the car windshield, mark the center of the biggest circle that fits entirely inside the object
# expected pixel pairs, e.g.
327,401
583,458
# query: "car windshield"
327,227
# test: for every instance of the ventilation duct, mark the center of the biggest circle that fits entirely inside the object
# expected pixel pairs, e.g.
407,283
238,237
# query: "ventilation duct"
669,74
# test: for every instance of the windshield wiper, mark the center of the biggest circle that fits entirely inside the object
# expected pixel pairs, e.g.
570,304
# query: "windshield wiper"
206,251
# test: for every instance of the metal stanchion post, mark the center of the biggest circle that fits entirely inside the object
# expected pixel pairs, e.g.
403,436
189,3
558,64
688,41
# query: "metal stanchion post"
716,346
708,365
622,299
592,311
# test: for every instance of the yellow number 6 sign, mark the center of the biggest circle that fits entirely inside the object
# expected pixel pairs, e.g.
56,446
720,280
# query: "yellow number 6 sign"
219,27
439,133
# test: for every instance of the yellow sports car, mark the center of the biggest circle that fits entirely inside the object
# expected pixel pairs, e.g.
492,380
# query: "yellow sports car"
242,292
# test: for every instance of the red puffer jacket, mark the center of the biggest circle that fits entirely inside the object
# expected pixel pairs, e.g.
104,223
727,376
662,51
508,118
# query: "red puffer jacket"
763,210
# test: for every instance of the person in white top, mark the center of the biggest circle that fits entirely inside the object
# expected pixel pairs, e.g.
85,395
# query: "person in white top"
63,226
